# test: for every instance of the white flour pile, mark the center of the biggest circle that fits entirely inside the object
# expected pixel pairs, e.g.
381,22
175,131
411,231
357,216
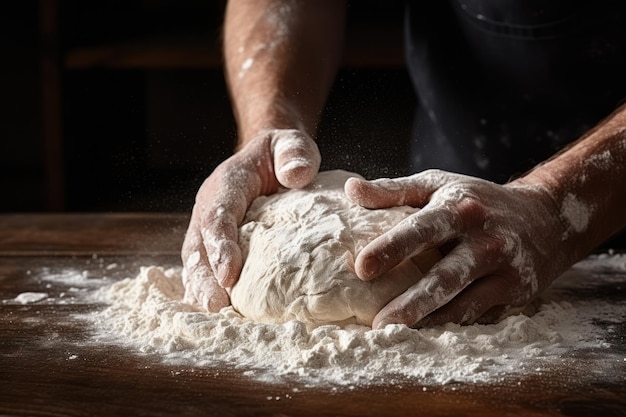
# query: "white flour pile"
148,314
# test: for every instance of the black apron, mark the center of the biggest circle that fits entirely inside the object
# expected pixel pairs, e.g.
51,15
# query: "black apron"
504,84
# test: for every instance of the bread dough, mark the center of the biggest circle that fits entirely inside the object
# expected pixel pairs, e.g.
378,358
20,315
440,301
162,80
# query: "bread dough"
299,248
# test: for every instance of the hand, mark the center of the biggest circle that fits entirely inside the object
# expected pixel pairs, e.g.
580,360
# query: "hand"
501,245
212,259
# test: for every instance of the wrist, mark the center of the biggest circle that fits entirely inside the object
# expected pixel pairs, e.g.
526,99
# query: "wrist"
265,115
566,217
583,220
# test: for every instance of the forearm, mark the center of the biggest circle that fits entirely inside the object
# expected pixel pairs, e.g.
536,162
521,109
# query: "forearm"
588,184
281,58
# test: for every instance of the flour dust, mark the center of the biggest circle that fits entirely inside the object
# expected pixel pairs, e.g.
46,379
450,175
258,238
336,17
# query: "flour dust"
147,315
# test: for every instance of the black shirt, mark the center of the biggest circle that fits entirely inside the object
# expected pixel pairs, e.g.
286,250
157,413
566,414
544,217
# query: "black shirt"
504,84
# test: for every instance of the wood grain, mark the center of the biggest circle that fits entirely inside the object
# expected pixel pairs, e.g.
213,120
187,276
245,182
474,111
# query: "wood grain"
50,365
67,234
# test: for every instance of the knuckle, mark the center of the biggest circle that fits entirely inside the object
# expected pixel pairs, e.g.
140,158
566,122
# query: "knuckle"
469,210
433,172
288,141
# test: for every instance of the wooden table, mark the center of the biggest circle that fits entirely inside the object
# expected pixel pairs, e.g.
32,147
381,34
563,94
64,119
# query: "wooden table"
46,371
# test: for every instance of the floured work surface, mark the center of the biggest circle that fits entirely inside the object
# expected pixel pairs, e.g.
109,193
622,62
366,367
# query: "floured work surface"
56,359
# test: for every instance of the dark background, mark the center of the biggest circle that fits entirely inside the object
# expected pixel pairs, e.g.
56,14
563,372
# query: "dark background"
122,105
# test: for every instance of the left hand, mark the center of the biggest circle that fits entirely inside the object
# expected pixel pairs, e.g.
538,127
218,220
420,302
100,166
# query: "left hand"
212,259
501,245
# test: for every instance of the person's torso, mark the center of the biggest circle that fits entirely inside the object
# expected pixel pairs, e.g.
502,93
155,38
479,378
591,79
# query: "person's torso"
530,75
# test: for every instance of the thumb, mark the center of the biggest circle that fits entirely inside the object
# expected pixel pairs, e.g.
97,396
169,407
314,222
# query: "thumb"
412,191
297,158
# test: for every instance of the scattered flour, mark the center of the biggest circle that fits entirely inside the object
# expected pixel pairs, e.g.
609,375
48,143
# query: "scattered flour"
147,313
245,66
70,286
576,213
30,297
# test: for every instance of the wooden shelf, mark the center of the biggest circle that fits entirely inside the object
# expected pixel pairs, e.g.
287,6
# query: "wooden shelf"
365,48
172,51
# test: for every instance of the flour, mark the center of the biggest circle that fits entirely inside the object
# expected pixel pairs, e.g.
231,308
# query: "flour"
72,285
30,297
245,66
576,213
603,160
278,18
147,313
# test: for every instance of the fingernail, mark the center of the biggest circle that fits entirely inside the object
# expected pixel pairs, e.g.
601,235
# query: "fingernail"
371,267
382,324
224,276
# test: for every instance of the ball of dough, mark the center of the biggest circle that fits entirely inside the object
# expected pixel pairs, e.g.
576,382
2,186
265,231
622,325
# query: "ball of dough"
299,247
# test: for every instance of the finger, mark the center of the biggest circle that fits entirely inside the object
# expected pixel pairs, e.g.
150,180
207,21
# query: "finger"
201,287
413,191
441,284
223,253
219,235
427,229
384,193
471,304
297,158
220,214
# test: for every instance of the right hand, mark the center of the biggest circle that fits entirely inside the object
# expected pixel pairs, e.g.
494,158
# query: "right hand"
503,245
211,256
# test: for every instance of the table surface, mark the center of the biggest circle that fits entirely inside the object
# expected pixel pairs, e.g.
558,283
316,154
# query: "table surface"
45,370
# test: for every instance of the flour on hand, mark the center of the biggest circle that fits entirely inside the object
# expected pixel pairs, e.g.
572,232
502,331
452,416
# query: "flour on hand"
299,247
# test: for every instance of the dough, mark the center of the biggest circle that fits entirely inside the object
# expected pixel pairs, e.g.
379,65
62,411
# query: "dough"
299,248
